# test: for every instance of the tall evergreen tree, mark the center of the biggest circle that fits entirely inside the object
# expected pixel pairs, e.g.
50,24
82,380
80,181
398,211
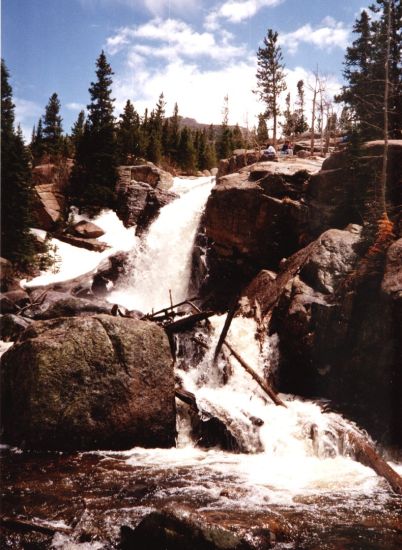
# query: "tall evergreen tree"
17,243
224,144
262,130
187,155
94,177
128,134
37,144
289,124
77,131
52,127
301,125
270,77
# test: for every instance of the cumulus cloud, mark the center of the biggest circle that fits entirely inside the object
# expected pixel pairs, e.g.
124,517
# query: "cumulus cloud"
173,39
73,106
236,11
330,34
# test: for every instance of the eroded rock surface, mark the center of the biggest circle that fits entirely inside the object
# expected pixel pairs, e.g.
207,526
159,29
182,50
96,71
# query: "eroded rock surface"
97,382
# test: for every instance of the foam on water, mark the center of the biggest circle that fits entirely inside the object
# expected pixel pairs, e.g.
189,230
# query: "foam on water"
75,261
163,261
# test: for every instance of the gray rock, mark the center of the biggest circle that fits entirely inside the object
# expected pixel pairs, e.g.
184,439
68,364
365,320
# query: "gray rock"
87,230
96,382
11,326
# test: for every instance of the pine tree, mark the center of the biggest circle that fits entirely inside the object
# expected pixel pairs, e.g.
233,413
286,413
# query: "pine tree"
52,127
77,131
237,138
128,134
289,124
37,144
224,144
270,77
364,70
17,243
262,130
94,177
187,155
301,125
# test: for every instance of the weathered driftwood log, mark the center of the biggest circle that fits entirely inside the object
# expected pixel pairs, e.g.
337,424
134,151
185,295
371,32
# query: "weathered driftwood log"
188,322
231,312
187,397
367,455
260,381
25,526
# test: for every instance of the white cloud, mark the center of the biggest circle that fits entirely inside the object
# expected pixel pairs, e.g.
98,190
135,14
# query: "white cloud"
236,11
27,114
173,39
331,34
73,106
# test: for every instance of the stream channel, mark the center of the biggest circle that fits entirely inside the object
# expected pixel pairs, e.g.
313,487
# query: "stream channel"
284,489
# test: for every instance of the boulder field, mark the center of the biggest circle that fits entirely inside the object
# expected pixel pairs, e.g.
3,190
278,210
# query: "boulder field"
98,382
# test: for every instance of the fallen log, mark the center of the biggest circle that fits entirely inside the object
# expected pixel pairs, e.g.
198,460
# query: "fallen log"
187,397
169,309
25,526
226,326
260,381
188,322
368,456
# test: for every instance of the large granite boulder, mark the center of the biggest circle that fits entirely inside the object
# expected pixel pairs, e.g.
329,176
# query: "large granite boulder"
141,192
183,531
96,382
50,185
339,333
87,230
337,196
253,219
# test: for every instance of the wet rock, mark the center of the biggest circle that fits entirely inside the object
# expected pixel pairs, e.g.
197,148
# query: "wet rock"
392,280
102,277
248,228
87,230
179,531
54,304
11,326
97,382
87,243
339,337
6,274
139,204
13,300
141,192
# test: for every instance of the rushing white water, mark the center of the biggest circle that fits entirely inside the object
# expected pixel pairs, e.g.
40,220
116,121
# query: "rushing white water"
73,261
162,262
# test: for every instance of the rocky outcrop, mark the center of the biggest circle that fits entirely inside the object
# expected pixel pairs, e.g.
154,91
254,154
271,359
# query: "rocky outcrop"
339,336
172,530
80,242
337,196
11,326
97,382
141,192
13,300
253,219
87,230
51,304
50,182
240,159
91,284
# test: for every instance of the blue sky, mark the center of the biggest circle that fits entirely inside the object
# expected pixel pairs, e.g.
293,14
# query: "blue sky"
195,51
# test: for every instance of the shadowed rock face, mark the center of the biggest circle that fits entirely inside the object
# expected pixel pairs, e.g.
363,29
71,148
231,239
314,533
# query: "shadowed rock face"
141,192
253,219
89,383
340,338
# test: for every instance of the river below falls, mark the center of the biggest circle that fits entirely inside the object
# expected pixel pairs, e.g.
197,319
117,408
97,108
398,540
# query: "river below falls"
309,497
94,494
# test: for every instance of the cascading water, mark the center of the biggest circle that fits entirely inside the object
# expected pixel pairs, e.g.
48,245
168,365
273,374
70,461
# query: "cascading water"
162,262
293,470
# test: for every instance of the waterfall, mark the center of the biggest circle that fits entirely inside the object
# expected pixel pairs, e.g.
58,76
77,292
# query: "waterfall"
162,262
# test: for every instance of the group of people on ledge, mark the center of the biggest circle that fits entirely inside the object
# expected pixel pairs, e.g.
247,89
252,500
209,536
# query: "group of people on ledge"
270,153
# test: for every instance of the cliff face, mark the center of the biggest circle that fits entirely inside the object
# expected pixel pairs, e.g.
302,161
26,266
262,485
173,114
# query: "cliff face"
340,333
